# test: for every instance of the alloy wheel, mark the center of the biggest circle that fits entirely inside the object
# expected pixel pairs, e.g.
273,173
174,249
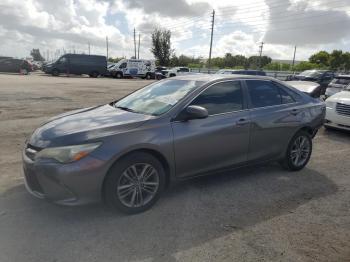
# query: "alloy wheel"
300,151
138,185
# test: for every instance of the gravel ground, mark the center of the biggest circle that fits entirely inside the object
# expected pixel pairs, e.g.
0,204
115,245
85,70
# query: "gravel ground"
255,214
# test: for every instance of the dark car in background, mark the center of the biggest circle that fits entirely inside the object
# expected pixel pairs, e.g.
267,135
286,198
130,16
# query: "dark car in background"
14,65
339,83
160,72
241,72
323,77
127,152
78,64
310,88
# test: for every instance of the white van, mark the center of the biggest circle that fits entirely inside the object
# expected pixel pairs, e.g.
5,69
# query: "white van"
133,67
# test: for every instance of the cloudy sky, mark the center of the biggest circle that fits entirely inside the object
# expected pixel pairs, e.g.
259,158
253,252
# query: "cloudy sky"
57,25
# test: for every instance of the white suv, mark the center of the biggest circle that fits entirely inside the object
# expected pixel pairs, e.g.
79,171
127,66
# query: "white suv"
338,110
177,71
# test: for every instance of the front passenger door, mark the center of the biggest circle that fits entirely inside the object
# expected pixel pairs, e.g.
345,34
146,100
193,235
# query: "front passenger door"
217,141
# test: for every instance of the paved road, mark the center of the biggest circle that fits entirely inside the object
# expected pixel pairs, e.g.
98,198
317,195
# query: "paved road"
255,214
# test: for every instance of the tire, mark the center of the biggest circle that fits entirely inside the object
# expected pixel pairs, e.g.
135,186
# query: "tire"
55,72
159,77
122,188
118,75
94,74
148,76
298,152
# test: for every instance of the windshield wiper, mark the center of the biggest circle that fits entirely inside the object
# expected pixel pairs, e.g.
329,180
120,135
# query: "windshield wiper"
126,109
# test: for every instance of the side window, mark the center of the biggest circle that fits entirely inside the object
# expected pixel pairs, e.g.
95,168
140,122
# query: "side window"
123,65
286,98
263,93
63,60
221,98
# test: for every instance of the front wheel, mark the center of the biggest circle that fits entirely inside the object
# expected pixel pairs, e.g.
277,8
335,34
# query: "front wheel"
134,183
298,152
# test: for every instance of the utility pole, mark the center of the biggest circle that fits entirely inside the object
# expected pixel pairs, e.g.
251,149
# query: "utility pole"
89,47
107,47
211,39
138,49
260,53
295,51
135,42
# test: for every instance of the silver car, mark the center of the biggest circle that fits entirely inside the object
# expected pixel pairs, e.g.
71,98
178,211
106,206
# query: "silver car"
127,152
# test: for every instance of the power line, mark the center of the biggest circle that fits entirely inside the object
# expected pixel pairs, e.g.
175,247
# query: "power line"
280,19
292,28
268,7
254,16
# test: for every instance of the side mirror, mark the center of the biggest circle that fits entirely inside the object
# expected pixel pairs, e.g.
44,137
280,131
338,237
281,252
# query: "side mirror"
192,112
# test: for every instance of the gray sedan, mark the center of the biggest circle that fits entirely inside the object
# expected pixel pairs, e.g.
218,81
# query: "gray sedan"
127,152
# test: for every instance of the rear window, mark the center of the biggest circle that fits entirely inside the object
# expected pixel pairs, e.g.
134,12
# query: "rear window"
263,93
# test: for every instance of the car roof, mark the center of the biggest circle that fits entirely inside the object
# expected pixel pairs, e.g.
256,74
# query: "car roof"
213,77
342,76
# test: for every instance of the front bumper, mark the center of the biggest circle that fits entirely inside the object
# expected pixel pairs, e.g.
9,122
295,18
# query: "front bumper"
333,119
67,184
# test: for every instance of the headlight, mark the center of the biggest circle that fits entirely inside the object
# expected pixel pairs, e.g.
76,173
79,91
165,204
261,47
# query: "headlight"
330,104
67,154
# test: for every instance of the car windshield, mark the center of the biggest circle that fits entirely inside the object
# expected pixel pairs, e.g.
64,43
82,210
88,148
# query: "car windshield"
157,98
311,73
341,81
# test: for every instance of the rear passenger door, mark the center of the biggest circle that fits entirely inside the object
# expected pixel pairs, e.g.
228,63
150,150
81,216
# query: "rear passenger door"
274,118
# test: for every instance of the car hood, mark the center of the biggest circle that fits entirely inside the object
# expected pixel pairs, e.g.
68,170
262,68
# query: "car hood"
86,124
305,78
340,97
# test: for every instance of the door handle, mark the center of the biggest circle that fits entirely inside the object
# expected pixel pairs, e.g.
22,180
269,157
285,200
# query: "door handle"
294,112
242,122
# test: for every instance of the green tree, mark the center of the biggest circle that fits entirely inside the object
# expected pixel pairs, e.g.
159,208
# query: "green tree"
302,66
336,60
35,53
115,59
161,46
320,58
255,61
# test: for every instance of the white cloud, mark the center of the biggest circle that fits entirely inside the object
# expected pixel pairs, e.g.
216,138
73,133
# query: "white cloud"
240,25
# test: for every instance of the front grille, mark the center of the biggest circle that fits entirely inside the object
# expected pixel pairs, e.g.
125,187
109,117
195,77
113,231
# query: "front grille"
343,109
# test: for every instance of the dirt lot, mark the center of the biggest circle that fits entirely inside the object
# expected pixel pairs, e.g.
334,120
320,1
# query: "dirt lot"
255,214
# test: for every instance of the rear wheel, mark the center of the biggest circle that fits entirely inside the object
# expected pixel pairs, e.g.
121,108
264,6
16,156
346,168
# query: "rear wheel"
299,152
94,74
148,76
55,72
134,183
